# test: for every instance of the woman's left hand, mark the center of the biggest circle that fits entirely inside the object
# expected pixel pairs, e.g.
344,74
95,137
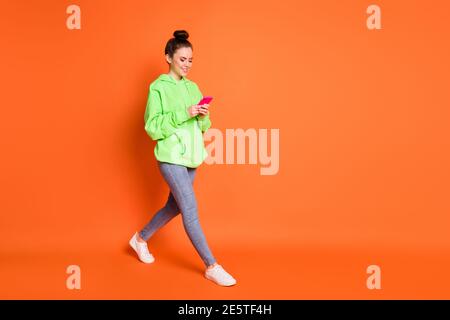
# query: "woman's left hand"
203,110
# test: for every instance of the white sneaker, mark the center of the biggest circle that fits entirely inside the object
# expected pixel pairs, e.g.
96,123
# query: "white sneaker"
141,250
219,276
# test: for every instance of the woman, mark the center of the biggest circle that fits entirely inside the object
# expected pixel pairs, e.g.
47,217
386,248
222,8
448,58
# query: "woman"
175,120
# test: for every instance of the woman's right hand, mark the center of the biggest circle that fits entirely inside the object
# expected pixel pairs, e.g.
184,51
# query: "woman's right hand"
197,109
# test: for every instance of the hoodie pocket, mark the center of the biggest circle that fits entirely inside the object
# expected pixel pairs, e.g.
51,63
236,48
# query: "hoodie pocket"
181,143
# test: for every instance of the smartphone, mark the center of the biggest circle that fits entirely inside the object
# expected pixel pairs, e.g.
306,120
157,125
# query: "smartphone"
205,100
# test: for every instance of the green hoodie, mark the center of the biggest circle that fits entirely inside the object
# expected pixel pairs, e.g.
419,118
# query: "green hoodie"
179,136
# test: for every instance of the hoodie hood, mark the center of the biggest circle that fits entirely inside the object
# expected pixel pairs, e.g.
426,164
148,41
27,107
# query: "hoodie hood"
169,78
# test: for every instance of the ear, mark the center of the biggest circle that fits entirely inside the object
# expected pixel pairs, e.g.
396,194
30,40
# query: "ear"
168,59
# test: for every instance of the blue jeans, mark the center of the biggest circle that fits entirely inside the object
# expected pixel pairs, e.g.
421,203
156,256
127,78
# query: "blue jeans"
181,198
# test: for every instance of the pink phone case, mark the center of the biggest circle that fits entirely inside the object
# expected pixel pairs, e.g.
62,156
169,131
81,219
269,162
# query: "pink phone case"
205,100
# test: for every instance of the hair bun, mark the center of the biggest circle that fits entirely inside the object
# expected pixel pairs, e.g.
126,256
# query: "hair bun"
181,34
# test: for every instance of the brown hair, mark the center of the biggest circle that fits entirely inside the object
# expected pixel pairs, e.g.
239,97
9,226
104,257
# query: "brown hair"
179,40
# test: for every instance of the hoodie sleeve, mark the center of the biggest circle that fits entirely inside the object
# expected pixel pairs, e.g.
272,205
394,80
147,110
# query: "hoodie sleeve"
160,125
205,123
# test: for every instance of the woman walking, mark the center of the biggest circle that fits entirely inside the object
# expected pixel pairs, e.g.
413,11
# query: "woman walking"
175,120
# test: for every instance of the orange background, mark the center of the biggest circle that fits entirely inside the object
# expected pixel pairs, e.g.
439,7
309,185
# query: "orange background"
364,149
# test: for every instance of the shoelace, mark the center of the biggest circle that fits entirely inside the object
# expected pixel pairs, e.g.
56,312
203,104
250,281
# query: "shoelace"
219,270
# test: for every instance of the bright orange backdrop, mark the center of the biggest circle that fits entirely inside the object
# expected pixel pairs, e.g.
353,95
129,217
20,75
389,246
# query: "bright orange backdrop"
364,148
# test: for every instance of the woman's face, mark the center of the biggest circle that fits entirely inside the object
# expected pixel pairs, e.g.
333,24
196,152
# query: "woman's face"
181,62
